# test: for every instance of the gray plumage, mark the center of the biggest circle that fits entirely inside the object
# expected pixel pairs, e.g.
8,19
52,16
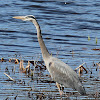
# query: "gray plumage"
59,71
64,75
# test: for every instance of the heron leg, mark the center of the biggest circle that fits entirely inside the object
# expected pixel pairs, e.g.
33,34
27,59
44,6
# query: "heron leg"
60,91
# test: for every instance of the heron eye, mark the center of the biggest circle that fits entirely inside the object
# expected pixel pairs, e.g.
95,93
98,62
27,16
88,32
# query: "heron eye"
26,17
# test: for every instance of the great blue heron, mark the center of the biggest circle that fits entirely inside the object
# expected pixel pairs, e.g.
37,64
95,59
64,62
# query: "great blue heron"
60,72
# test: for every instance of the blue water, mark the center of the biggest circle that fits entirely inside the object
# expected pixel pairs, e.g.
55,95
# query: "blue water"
65,27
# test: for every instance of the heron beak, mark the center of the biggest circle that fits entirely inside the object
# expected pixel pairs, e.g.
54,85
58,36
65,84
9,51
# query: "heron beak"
19,17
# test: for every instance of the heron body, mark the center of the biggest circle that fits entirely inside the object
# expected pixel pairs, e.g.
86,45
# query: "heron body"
64,74
59,71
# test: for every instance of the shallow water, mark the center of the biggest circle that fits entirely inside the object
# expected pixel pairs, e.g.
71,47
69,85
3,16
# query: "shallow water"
65,27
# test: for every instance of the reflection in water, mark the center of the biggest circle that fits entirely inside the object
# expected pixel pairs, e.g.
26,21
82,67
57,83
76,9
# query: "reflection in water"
65,27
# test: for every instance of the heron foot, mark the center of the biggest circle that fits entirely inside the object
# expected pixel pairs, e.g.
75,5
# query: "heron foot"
61,92
59,88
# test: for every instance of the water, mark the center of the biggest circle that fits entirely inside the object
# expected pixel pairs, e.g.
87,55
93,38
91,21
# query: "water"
65,27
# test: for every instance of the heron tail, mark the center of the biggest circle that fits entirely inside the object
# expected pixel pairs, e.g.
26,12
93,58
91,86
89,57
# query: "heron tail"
81,90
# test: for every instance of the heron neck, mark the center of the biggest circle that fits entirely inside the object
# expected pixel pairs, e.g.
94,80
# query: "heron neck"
44,50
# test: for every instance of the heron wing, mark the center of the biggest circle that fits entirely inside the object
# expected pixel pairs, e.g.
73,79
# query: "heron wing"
63,74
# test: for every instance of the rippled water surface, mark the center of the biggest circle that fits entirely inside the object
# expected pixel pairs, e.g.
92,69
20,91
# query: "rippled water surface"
71,32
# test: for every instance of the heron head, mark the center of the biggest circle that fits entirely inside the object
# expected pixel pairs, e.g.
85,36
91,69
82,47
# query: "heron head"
25,18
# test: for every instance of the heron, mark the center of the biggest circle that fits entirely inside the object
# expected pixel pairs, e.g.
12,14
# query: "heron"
60,72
